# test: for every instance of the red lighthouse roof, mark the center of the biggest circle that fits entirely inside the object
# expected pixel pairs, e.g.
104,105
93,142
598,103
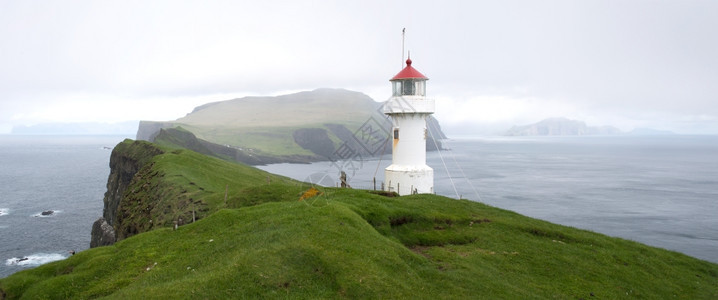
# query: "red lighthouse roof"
409,73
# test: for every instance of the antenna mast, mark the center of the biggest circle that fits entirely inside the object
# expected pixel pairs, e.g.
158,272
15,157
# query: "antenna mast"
403,32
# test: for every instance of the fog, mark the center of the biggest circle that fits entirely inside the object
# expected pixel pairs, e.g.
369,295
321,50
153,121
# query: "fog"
491,64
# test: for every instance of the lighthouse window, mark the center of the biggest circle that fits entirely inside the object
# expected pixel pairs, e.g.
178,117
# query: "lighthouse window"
396,88
408,87
420,87
396,133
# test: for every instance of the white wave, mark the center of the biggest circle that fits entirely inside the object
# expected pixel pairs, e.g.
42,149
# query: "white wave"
4,211
34,259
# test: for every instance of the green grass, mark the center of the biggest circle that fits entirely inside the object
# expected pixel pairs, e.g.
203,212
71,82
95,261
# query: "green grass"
266,243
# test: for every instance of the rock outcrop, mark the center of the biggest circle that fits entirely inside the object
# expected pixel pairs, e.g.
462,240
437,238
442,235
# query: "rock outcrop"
102,234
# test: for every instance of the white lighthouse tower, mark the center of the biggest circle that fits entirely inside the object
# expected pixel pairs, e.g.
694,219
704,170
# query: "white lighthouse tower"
408,109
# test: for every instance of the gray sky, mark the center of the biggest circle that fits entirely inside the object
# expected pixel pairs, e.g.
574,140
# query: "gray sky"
491,64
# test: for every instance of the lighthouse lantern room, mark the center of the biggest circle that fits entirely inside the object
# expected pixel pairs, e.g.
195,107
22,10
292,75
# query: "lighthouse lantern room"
408,109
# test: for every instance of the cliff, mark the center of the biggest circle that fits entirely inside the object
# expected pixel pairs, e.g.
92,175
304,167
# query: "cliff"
559,127
151,186
126,160
259,235
148,130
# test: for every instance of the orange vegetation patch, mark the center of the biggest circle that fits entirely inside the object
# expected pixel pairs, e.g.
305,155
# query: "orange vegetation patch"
311,192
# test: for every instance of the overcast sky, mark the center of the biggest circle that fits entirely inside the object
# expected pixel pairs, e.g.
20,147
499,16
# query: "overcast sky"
491,64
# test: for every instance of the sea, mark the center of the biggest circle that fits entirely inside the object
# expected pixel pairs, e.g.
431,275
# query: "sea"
65,175
657,190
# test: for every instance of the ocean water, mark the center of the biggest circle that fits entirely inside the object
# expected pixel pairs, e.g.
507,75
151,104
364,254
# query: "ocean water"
65,174
657,190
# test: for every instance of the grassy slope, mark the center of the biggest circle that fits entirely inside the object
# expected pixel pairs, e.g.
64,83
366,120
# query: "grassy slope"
266,124
348,243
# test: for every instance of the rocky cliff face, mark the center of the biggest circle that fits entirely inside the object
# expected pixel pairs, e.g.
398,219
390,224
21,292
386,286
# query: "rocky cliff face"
125,161
315,140
148,130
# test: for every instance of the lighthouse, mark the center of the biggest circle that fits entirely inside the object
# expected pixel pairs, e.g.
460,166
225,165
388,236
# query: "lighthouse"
408,109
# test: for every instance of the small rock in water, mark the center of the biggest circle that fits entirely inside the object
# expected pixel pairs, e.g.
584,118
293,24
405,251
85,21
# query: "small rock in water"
16,260
47,212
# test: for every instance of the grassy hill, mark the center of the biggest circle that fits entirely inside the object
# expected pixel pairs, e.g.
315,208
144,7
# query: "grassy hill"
274,237
266,124
298,109
300,127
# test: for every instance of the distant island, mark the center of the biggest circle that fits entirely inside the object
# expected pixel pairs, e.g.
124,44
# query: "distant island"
561,126
87,128
568,127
